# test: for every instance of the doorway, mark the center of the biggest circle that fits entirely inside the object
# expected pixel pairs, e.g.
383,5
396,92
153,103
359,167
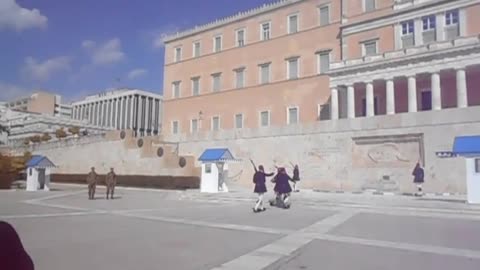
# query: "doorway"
426,100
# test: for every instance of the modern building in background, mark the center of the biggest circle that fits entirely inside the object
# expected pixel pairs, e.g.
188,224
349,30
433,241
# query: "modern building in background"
122,109
41,102
301,61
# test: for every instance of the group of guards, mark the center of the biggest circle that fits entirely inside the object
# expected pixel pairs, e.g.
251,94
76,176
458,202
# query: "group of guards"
282,186
110,182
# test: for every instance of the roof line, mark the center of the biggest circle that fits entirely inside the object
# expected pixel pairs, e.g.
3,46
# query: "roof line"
226,20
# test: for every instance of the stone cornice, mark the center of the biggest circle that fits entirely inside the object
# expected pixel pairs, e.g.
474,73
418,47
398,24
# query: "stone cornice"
224,21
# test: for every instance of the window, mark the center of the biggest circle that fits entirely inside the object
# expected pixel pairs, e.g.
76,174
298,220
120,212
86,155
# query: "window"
178,54
477,165
293,24
452,29
323,62
215,123
239,120
292,68
408,38
240,78
265,73
265,119
429,23
265,31
369,5
240,36
451,17
324,15
292,115
176,89
196,49
208,167
194,125
218,44
175,127
370,48
196,86
216,82
407,28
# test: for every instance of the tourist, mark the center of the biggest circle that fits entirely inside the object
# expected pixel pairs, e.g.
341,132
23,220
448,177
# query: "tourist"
259,179
12,253
111,181
418,178
92,183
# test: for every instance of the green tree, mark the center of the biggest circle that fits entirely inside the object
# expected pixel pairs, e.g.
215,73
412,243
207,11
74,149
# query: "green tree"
35,139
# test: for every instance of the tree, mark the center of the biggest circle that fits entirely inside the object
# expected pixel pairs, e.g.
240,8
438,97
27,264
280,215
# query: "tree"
10,167
35,139
46,137
60,133
74,130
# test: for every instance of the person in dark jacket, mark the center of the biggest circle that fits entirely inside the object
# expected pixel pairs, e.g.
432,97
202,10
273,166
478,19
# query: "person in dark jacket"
92,178
296,178
12,253
110,182
259,179
418,178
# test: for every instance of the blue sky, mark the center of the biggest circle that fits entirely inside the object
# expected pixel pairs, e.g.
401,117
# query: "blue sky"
76,48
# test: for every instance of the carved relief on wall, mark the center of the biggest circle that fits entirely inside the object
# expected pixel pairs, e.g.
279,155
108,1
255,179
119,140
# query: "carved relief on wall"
387,151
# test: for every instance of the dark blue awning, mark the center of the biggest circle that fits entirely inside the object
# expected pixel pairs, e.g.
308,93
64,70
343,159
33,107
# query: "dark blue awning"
38,161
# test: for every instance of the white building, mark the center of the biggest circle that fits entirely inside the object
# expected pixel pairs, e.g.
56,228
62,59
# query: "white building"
121,109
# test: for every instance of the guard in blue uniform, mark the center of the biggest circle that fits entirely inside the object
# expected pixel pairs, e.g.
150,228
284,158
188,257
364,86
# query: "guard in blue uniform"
418,178
296,178
259,179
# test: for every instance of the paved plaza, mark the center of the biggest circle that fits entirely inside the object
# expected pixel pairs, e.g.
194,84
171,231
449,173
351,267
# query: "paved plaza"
186,230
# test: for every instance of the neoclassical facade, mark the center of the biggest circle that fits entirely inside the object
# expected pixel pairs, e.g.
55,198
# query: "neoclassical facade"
302,61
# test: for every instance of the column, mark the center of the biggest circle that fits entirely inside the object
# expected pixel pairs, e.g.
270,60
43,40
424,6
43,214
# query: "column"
334,104
125,116
370,99
80,116
97,113
131,112
351,101
436,92
90,115
120,125
390,96
412,94
102,112
115,114
462,97
110,112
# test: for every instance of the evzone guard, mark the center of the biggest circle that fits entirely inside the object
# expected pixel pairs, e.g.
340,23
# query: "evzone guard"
282,189
259,179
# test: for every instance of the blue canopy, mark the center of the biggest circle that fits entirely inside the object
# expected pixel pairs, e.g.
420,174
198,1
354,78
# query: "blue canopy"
216,154
38,161
463,146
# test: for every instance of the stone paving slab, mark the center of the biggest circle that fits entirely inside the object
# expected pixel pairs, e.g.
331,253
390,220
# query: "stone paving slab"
242,214
114,242
321,254
454,233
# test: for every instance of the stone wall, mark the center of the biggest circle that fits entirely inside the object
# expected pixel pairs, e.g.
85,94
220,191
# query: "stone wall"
128,155
352,154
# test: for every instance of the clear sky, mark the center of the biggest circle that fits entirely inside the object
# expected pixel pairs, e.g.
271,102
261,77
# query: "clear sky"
80,47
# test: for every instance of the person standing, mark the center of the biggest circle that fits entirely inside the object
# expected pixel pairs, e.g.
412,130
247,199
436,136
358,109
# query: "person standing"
111,181
418,178
259,179
283,187
296,178
92,183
